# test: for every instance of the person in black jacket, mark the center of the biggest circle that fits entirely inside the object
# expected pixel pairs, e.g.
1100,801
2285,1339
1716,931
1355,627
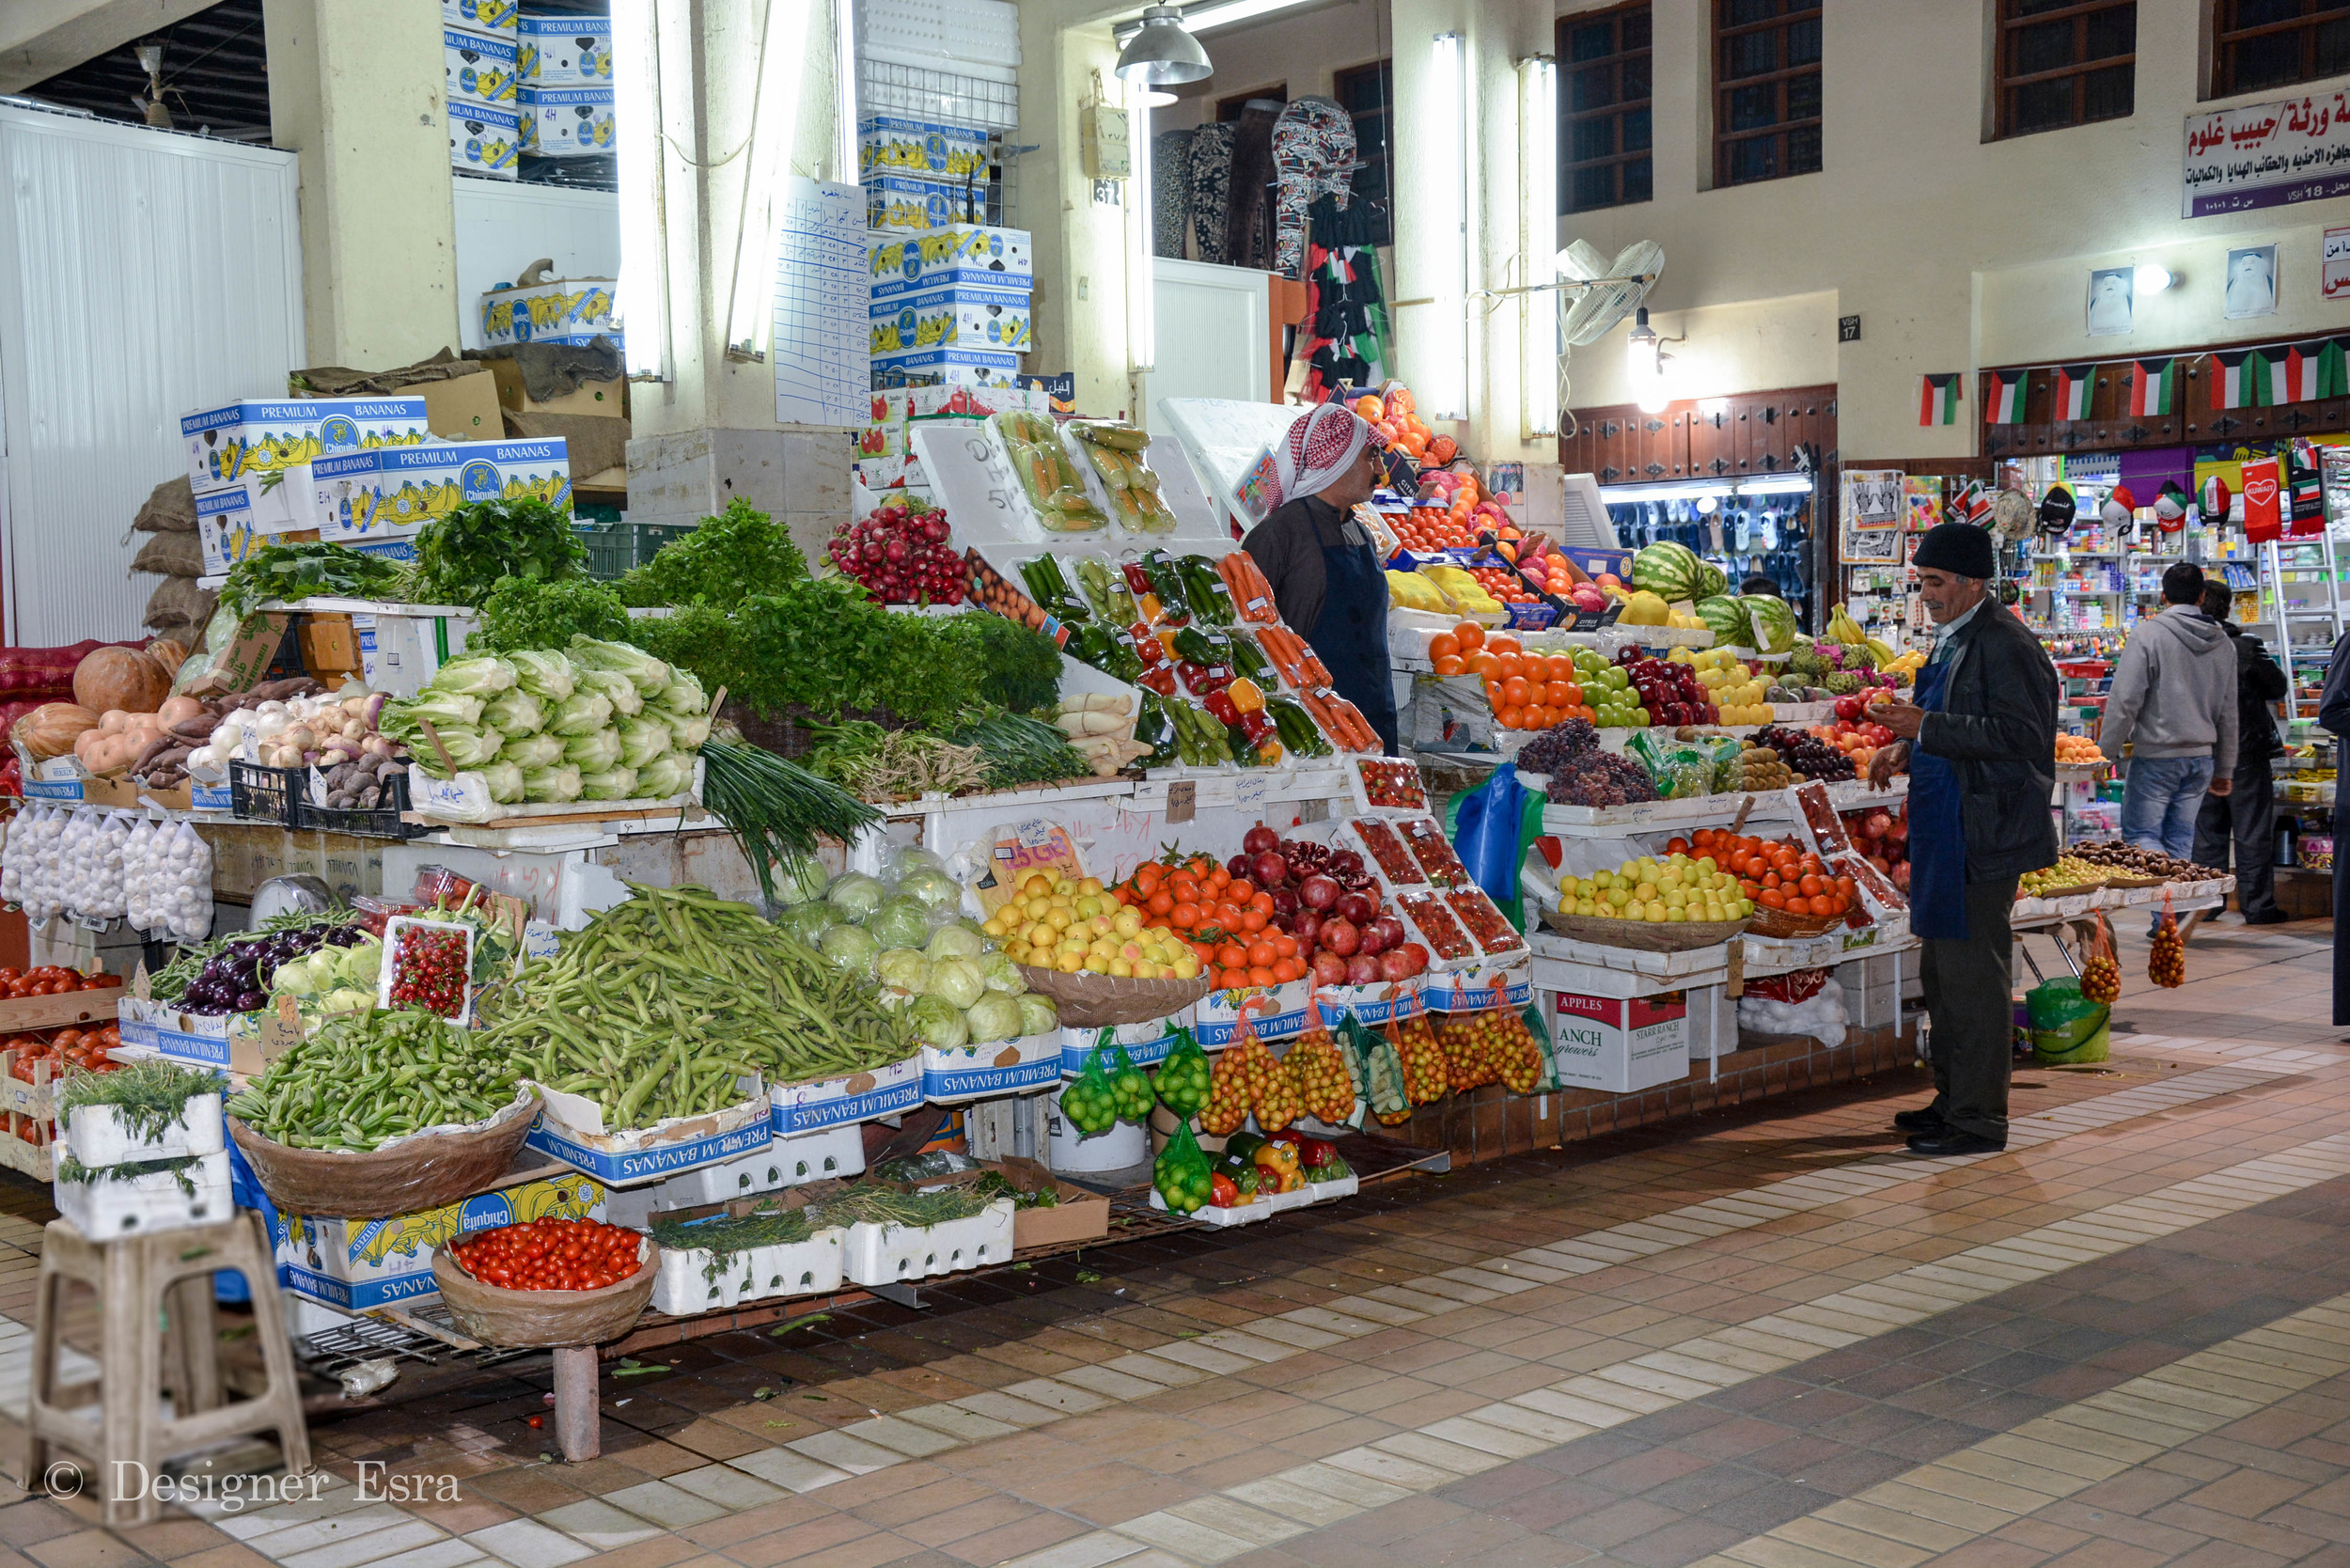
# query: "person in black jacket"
2248,812
1979,744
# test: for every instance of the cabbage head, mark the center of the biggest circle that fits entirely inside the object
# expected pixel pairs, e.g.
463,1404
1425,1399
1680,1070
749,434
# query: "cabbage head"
503,779
618,783
684,694
992,1017
665,777
899,922
533,752
1037,1013
934,888
956,939
850,948
1001,974
808,921
853,895
483,678
580,714
593,752
799,879
551,786
622,693
957,981
903,967
514,712
939,1022
643,741
649,674
543,673
687,731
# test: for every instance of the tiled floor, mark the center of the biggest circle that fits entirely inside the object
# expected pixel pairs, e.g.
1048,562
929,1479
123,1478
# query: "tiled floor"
1764,1337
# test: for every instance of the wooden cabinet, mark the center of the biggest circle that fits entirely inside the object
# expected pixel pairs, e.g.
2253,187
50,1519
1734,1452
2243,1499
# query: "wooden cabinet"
1745,436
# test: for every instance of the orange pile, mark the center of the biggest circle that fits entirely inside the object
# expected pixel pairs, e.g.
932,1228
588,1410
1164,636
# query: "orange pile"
1773,872
1228,922
1396,420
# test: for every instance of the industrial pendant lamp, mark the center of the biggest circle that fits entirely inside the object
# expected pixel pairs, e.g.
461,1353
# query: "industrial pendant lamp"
1163,54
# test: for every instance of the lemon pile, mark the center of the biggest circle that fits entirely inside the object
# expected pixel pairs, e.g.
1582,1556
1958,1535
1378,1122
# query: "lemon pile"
1735,691
1675,889
1077,927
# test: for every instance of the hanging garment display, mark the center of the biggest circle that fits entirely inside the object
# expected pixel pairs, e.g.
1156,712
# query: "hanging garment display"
1245,240
1313,156
1170,196
1210,189
1345,340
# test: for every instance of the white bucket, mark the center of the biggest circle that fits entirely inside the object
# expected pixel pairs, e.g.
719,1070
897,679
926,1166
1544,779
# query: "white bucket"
1125,1145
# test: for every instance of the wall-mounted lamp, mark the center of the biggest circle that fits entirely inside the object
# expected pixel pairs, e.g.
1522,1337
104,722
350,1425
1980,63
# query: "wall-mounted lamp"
1538,223
775,116
1645,357
2151,278
1142,327
644,284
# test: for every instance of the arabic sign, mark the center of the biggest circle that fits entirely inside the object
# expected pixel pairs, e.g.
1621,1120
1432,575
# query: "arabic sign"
2268,155
2337,273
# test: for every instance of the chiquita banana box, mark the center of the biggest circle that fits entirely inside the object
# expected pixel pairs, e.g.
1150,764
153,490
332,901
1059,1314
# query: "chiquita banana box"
489,16
958,254
480,66
888,145
960,317
567,50
565,310
485,138
361,1263
570,122
392,493
908,202
262,437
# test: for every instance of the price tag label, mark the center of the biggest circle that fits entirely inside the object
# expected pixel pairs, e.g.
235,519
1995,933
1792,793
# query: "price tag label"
281,1029
1183,800
141,985
1249,790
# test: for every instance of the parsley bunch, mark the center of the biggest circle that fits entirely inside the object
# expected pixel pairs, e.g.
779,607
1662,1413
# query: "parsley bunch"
526,614
738,553
460,557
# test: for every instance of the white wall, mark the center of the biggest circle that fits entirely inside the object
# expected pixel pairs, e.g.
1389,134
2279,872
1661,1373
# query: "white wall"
142,275
503,227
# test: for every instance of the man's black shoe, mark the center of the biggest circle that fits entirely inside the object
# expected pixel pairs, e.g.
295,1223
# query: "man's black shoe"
2272,917
1925,1118
1951,1140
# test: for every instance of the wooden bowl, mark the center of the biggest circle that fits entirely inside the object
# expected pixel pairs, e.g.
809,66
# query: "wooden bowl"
1783,926
546,1319
1090,1001
431,1171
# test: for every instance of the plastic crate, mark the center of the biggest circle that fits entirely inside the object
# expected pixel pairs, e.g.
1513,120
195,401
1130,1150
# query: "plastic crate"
383,822
613,548
265,795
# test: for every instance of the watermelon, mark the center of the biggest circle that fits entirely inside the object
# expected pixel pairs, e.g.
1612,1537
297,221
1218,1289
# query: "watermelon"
1774,622
1726,617
1711,583
1670,571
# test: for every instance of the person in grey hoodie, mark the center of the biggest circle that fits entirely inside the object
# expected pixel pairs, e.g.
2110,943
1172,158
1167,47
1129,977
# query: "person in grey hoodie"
2172,712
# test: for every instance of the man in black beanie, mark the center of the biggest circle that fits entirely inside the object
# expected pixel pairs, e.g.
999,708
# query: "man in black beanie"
1980,742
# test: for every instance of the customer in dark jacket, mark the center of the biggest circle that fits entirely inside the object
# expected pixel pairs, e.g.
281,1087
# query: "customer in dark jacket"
2248,813
1979,744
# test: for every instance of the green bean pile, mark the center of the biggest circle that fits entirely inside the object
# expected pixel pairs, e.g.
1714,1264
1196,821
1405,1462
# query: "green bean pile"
663,1002
365,1078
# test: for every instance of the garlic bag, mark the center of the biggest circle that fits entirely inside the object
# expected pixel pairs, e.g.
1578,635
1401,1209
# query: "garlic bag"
184,878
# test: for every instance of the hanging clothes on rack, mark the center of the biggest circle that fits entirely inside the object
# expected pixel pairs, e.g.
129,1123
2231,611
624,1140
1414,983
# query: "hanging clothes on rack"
1312,138
1210,189
1245,241
1170,196
1345,343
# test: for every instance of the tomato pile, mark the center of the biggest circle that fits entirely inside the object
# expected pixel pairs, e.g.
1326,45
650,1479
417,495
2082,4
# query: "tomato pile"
430,971
51,980
1503,582
62,1048
1773,872
551,1255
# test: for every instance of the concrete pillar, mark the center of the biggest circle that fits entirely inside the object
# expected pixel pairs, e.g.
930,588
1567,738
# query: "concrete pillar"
709,434
357,88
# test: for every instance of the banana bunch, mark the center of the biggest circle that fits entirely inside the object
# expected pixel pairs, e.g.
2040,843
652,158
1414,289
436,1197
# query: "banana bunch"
1843,628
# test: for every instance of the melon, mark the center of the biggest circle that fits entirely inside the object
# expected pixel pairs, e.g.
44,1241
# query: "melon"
1672,571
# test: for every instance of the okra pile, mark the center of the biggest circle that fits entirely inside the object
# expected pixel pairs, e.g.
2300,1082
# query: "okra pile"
662,1003
366,1079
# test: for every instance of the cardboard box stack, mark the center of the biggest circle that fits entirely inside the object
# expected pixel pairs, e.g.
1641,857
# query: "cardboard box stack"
566,97
481,45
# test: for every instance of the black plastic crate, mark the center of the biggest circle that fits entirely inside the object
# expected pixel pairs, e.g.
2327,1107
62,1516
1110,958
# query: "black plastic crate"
383,822
266,795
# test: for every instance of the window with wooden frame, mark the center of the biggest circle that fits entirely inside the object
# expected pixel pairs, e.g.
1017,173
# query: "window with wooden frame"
2261,44
1604,116
2065,62
1367,93
1228,109
1767,89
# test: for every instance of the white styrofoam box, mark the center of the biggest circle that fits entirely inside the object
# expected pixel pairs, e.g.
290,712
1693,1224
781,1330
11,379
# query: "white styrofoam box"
1620,1044
567,50
957,316
95,1136
961,253
891,144
948,34
488,15
818,1157
892,472
560,311
953,367
741,1177
1713,1022
481,65
305,1317
485,138
569,122
395,491
109,1208
687,1282
261,436
885,1254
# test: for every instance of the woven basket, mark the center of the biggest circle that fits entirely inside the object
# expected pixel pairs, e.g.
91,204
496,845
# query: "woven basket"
1785,927
546,1319
1090,1001
429,1172
1647,937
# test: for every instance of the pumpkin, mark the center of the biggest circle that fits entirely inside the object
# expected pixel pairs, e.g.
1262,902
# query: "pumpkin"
169,652
125,678
51,730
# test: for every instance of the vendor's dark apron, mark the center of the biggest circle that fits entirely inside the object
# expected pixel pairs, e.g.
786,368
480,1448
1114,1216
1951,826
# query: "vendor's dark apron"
1351,638
1938,838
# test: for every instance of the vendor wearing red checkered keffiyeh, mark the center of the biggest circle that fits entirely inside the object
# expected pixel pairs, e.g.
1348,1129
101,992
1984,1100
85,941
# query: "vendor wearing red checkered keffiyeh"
1327,575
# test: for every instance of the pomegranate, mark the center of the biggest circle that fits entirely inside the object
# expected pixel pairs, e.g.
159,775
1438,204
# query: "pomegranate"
1362,970
1877,824
1261,840
1319,892
1389,930
1284,905
1269,871
1357,907
1307,927
1345,863
1239,866
1330,969
1396,965
1417,954
1341,936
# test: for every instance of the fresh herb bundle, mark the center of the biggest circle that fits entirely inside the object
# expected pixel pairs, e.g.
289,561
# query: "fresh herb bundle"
1016,749
74,1174
460,557
775,808
524,612
1019,668
146,1096
303,569
881,1206
994,1184
874,763
729,558
727,1236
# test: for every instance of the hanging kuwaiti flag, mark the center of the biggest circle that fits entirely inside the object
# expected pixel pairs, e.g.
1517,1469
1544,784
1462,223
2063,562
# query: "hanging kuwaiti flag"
2312,370
2240,379
1938,400
2073,385
2007,397
2154,387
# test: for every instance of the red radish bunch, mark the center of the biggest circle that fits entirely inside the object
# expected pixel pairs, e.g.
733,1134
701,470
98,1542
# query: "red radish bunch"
900,554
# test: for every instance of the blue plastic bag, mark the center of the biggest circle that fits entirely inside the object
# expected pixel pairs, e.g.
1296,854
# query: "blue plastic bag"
1491,827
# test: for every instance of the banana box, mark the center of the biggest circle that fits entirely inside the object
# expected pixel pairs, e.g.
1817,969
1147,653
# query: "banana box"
955,316
905,201
957,254
259,437
479,65
569,122
923,149
231,523
358,1265
563,310
483,16
365,497
956,367
485,138
567,50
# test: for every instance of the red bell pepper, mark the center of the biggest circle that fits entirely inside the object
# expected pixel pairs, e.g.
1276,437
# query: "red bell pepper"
1255,725
1219,706
1222,1193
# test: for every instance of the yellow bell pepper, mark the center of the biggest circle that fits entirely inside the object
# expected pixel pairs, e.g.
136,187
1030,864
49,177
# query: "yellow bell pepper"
1245,697
1280,1158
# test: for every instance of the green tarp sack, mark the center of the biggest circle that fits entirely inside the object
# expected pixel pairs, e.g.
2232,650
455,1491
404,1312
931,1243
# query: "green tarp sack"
2066,1026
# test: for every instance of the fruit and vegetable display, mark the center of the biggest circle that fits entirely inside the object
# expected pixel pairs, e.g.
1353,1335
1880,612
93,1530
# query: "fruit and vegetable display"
2166,956
1114,452
1773,874
550,1254
1109,1088
236,973
364,1079
1080,927
1490,1046
1881,834
1674,572
2113,854
1806,754
97,865
83,1050
2070,874
1676,889
1276,912
1046,475
1579,772
902,552
2078,751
